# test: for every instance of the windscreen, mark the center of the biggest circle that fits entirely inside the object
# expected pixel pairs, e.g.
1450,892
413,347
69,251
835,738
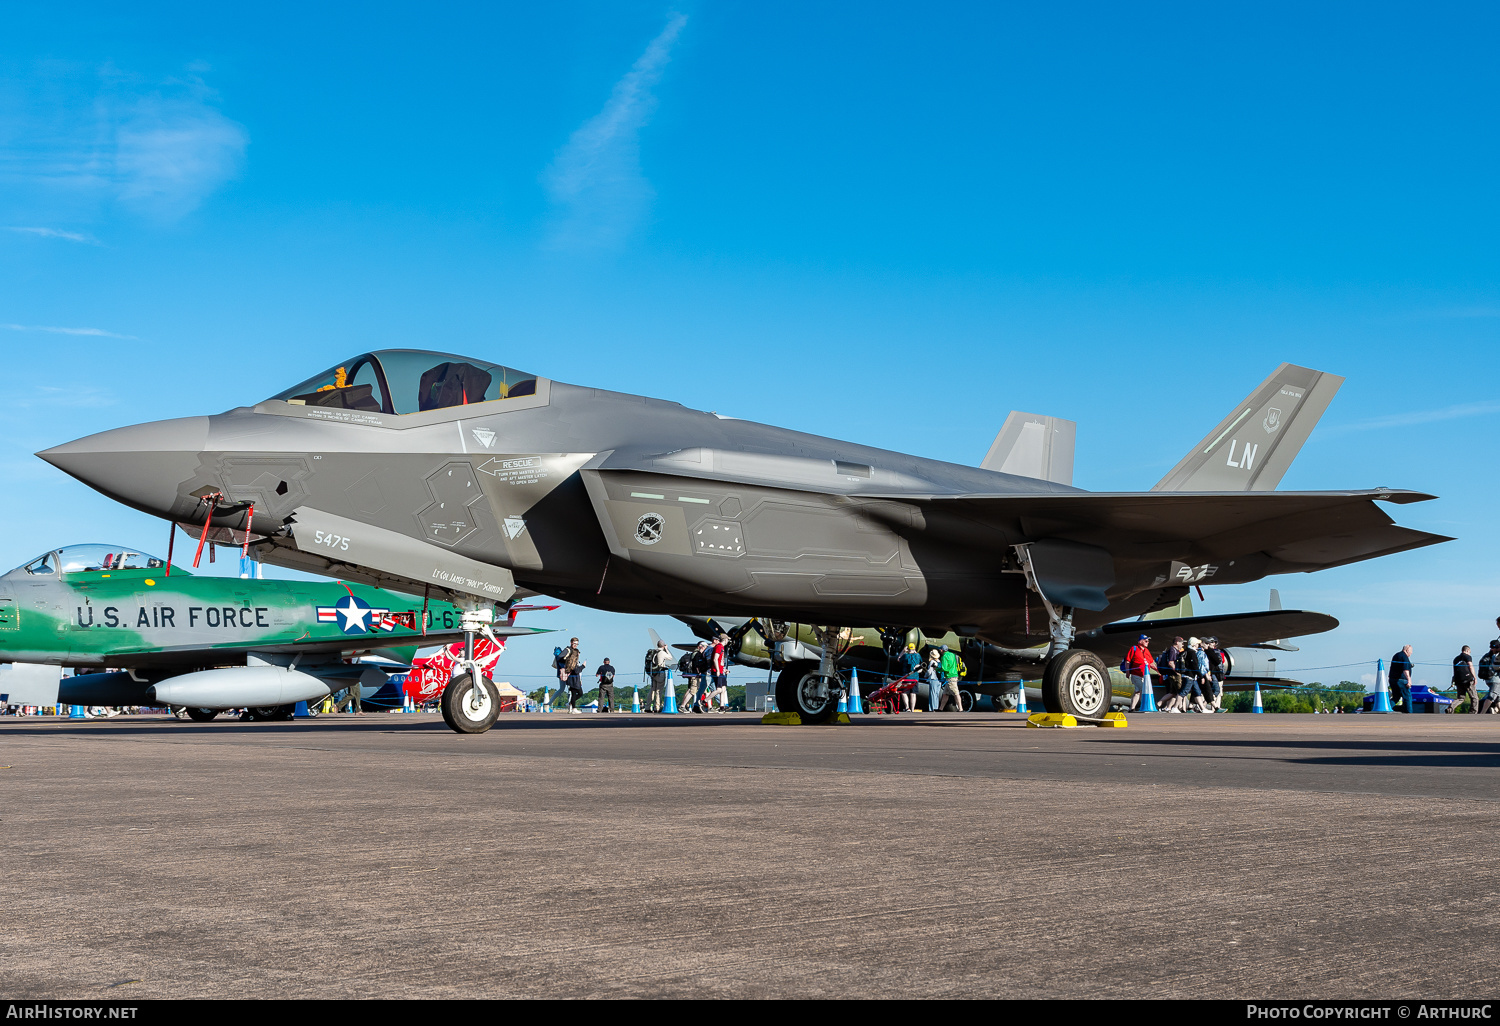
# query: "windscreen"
399,381
83,558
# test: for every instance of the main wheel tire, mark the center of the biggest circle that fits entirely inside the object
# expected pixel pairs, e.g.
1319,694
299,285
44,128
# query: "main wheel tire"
202,715
1077,682
468,709
796,692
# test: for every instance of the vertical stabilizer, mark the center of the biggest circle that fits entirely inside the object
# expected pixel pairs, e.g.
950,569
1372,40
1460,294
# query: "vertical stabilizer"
1251,448
1034,445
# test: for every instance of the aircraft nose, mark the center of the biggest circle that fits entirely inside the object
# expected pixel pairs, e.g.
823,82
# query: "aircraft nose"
143,465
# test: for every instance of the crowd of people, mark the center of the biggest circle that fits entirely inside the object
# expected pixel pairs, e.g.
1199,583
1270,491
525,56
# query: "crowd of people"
1191,669
705,671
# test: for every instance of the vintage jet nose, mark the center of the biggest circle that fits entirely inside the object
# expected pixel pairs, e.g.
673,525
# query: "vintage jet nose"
143,466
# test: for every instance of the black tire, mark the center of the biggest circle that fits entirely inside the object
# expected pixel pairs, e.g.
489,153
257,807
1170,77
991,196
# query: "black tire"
464,716
202,715
792,694
269,713
1077,683
966,700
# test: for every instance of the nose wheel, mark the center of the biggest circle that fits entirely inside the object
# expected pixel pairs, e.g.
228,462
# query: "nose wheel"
470,708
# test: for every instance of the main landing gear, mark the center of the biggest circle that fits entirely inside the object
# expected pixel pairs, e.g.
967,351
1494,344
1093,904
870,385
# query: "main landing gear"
812,690
1075,681
469,707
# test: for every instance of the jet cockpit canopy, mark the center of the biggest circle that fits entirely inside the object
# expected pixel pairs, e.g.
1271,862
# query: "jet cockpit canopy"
73,559
398,381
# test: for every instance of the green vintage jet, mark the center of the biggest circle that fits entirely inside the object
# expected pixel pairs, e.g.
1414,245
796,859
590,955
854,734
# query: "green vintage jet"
161,636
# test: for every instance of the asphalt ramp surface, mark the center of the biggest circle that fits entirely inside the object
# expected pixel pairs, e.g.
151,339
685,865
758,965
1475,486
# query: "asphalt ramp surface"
618,856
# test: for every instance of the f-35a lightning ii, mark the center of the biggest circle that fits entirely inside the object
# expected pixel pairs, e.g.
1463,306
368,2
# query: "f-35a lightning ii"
481,482
205,643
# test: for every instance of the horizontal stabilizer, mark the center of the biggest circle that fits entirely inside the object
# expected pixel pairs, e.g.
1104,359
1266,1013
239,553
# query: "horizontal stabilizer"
1234,630
1252,448
1034,445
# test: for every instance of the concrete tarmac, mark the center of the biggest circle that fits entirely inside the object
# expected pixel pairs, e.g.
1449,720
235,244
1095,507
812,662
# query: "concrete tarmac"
1232,856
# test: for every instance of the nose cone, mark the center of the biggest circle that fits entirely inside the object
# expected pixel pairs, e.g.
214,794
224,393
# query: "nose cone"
144,466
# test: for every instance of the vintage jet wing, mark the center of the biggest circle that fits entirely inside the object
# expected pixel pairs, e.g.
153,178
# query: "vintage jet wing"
1234,630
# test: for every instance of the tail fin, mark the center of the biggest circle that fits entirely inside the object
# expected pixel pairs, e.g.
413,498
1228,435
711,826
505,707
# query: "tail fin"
1034,445
1251,448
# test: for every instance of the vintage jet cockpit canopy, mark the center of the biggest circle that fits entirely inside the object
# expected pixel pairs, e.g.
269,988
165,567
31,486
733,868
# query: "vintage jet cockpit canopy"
73,559
397,381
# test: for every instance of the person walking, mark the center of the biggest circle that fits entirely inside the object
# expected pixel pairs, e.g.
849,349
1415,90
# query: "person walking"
949,666
606,675
1464,681
573,666
718,666
694,669
1489,672
1202,677
1139,665
1218,665
1170,662
659,661
1400,679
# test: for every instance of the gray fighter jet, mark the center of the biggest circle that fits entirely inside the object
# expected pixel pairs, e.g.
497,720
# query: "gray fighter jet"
479,483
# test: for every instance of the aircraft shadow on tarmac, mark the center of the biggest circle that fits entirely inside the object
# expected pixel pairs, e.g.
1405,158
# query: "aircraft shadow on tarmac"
374,723
1437,754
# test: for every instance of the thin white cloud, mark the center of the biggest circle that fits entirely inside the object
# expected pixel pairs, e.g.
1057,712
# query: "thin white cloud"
1394,420
82,146
54,233
595,181
98,332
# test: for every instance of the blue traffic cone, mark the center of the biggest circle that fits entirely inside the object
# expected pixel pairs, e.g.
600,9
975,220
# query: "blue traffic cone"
546,698
855,706
635,699
844,702
1148,697
1255,705
670,704
75,712
1382,696
1021,706
300,712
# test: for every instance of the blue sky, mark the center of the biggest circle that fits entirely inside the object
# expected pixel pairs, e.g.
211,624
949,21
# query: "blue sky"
892,225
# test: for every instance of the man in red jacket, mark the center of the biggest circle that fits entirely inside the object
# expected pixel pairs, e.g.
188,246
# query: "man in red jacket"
1140,664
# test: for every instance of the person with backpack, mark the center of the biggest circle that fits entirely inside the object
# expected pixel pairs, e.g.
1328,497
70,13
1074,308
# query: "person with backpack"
658,662
950,695
1170,664
1138,666
692,666
606,675
1464,681
572,668
1218,669
1489,672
